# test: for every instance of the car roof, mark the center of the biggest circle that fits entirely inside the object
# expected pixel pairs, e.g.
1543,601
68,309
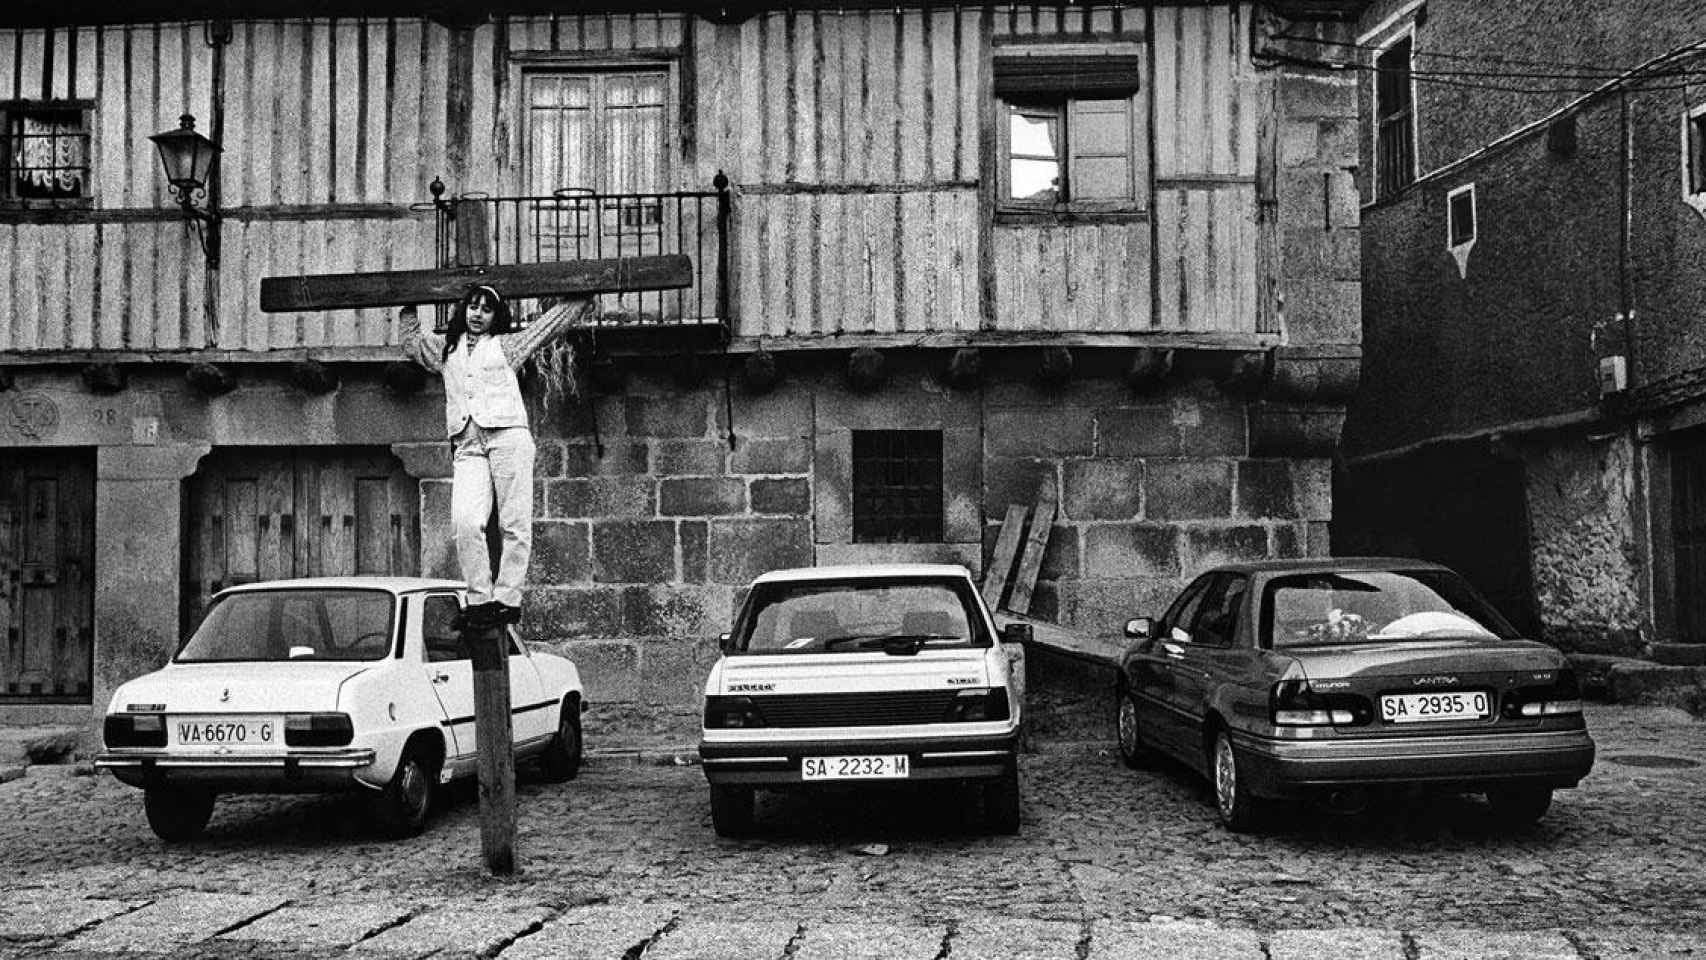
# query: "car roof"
1328,565
866,571
386,583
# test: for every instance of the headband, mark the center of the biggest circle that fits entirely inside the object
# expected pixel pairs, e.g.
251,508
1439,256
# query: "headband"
492,291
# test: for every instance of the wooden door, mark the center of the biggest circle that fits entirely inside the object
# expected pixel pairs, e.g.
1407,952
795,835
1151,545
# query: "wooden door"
47,584
1688,533
266,513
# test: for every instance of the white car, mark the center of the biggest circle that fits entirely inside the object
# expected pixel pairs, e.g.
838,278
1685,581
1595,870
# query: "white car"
861,675
328,684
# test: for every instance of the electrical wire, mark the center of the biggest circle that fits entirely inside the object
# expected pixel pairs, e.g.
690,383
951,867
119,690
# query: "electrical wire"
1481,79
1643,81
1590,68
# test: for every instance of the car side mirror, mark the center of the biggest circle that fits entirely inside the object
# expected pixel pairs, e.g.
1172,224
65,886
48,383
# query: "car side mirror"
1140,628
1016,633
723,641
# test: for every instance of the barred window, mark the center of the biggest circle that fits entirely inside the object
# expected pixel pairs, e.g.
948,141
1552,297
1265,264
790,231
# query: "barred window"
897,486
45,150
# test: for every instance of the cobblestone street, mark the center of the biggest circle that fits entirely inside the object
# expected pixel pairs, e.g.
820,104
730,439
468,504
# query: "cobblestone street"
1110,863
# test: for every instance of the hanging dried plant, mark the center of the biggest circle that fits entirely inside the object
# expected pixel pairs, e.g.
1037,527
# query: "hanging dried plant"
556,374
558,377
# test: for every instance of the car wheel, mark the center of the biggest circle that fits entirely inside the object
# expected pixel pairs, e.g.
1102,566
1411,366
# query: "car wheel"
1239,810
402,808
731,810
176,814
1001,802
1133,752
1519,806
562,757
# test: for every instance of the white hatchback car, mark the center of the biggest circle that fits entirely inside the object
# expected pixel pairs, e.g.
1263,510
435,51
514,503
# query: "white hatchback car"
327,684
861,675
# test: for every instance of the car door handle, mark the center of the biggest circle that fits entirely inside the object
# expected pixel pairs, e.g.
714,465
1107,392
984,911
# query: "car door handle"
441,678
1173,650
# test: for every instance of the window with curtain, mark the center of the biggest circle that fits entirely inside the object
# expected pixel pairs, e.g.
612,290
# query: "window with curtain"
45,151
1071,137
598,133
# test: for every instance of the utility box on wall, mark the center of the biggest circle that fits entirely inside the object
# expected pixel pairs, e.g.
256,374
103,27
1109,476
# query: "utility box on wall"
1613,375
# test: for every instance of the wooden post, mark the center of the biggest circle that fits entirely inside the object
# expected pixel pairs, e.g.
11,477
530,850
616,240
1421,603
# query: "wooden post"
495,741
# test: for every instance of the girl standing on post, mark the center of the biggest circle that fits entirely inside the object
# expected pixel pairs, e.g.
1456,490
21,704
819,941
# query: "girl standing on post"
492,447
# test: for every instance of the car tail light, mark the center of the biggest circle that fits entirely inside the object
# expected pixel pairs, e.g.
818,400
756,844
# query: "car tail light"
1293,704
318,730
984,703
134,730
1562,698
729,712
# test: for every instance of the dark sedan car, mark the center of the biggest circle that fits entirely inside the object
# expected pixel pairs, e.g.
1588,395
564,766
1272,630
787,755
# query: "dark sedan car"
1334,678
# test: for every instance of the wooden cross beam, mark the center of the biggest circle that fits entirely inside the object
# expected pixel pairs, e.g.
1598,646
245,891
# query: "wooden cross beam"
393,288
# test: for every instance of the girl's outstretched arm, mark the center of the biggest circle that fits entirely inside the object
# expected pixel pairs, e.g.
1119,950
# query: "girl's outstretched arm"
422,346
546,327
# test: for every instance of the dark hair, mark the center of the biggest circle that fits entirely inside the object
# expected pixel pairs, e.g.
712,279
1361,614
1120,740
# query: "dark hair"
502,319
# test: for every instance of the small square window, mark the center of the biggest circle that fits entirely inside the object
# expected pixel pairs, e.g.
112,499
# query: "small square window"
897,486
44,149
1460,216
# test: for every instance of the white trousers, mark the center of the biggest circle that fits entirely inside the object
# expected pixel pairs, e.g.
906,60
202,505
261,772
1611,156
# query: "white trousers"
492,462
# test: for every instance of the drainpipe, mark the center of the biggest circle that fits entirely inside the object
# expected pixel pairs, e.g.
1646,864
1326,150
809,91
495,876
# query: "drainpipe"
1640,505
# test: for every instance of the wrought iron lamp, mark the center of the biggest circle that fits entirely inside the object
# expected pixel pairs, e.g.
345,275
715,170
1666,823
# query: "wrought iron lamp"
191,161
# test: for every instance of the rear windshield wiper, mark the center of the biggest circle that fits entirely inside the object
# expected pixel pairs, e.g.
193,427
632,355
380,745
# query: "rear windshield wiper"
895,643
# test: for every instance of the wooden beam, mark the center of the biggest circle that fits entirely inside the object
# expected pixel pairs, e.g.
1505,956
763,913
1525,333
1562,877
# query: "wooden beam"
1006,548
395,288
1042,522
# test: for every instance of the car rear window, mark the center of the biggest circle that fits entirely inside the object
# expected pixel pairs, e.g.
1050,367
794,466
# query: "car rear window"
853,615
281,625
1334,607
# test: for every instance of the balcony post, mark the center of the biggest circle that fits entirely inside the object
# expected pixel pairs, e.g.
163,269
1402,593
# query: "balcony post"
725,212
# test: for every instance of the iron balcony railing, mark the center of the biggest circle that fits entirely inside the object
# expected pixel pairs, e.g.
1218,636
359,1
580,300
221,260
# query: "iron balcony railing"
575,224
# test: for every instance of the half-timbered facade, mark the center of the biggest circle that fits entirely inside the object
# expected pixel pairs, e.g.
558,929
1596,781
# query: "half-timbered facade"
944,256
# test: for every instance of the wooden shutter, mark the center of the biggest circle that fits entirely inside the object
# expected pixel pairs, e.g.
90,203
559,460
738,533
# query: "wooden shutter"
1100,149
1104,75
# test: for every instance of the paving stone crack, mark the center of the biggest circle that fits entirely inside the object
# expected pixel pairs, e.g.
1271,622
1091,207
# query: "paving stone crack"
947,948
92,924
1086,930
507,942
248,920
1586,952
391,924
638,950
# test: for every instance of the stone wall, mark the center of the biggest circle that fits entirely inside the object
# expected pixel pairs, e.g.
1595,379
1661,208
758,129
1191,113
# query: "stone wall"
1585,550
642,553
